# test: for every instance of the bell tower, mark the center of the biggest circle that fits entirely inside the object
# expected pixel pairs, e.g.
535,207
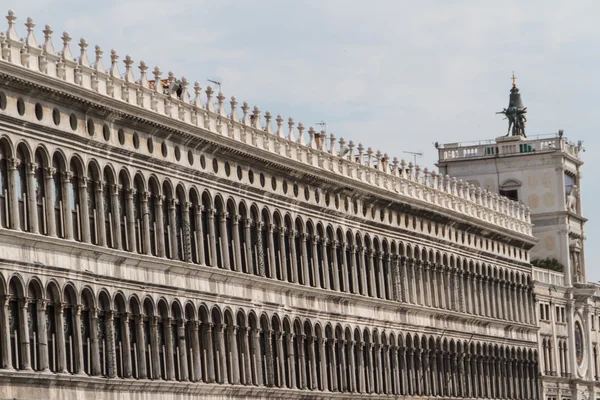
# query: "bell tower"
542,172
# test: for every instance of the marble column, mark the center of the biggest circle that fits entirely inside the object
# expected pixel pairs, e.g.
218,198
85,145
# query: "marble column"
32,200
42,335
50,221
140,340
99,216
196,359
237,246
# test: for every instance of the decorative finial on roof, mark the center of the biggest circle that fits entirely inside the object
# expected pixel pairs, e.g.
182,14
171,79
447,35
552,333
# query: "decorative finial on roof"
114,66
301,138
11,33
210,106
198,95
143,74
245,116
279,121
514,79
98,66
129,69
234,114
48,47
221,101
66,51
291,135
157,84
83,58
30,41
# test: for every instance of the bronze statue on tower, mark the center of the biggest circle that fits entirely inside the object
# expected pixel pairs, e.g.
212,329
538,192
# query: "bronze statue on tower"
515,113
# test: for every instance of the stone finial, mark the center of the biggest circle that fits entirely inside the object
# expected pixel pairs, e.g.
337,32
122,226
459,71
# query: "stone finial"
221,104
279,121
361,150
395,162
48,47
321,136
311,138
11,32
114,66
157,83
268,122
332,149
197,95
291,135
143,74
66,51
378,156
185,94
98,66
210,106
301,137
255,117
245,114
351,150
84,61
370,157
403,168
30,41
384,162
342,151
129,69
234,114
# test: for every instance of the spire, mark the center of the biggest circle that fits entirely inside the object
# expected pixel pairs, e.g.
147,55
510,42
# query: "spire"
514,79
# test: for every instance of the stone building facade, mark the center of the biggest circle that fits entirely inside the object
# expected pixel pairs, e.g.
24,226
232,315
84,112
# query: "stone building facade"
157,245
545,173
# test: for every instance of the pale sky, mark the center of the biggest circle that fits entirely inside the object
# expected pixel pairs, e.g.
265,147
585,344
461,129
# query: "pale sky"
394,75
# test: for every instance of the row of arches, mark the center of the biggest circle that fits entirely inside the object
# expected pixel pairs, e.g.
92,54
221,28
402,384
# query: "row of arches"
81,330
146,215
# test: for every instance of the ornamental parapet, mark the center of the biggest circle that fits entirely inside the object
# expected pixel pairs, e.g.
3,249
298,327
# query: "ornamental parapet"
200,113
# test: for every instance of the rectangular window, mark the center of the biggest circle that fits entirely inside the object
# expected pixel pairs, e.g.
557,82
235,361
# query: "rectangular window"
547,312
512,194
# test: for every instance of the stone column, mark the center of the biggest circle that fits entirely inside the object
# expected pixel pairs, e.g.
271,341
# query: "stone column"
199,235
50,222
382,283
257,359
5,334
281,256
345,281
186,232
395,371
61,351
99,217
168,338
131,236
293,256
369,367
270,359
127,362
360,385
84,212
315,263
334,365
116,217
323,366
302,362
224,242
141,347
77,338
110,344
343,385
260,267
13,199
456,289
363,276
248,357
222,355
280,359
250,265
210,363
304,257
313,367
335,284
235,372
145,233
237,246
173,227
159,231
154,347
290,360
431,280
31,200
325,266
67,214
353,269
352,365
42,335
196,361
271,249
373,285
183,352
96,369
414,283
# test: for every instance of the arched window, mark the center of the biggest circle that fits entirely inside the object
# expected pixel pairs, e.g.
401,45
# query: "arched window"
86,331
138,215
71,333
92,189
153,210
15,323
167,220
104,340
107,213
510,188
206,229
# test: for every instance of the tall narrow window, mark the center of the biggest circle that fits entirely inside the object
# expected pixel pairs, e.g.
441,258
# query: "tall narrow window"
108,206
21,188
57,178
92,205
3,186
40,192
122,204
75,201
